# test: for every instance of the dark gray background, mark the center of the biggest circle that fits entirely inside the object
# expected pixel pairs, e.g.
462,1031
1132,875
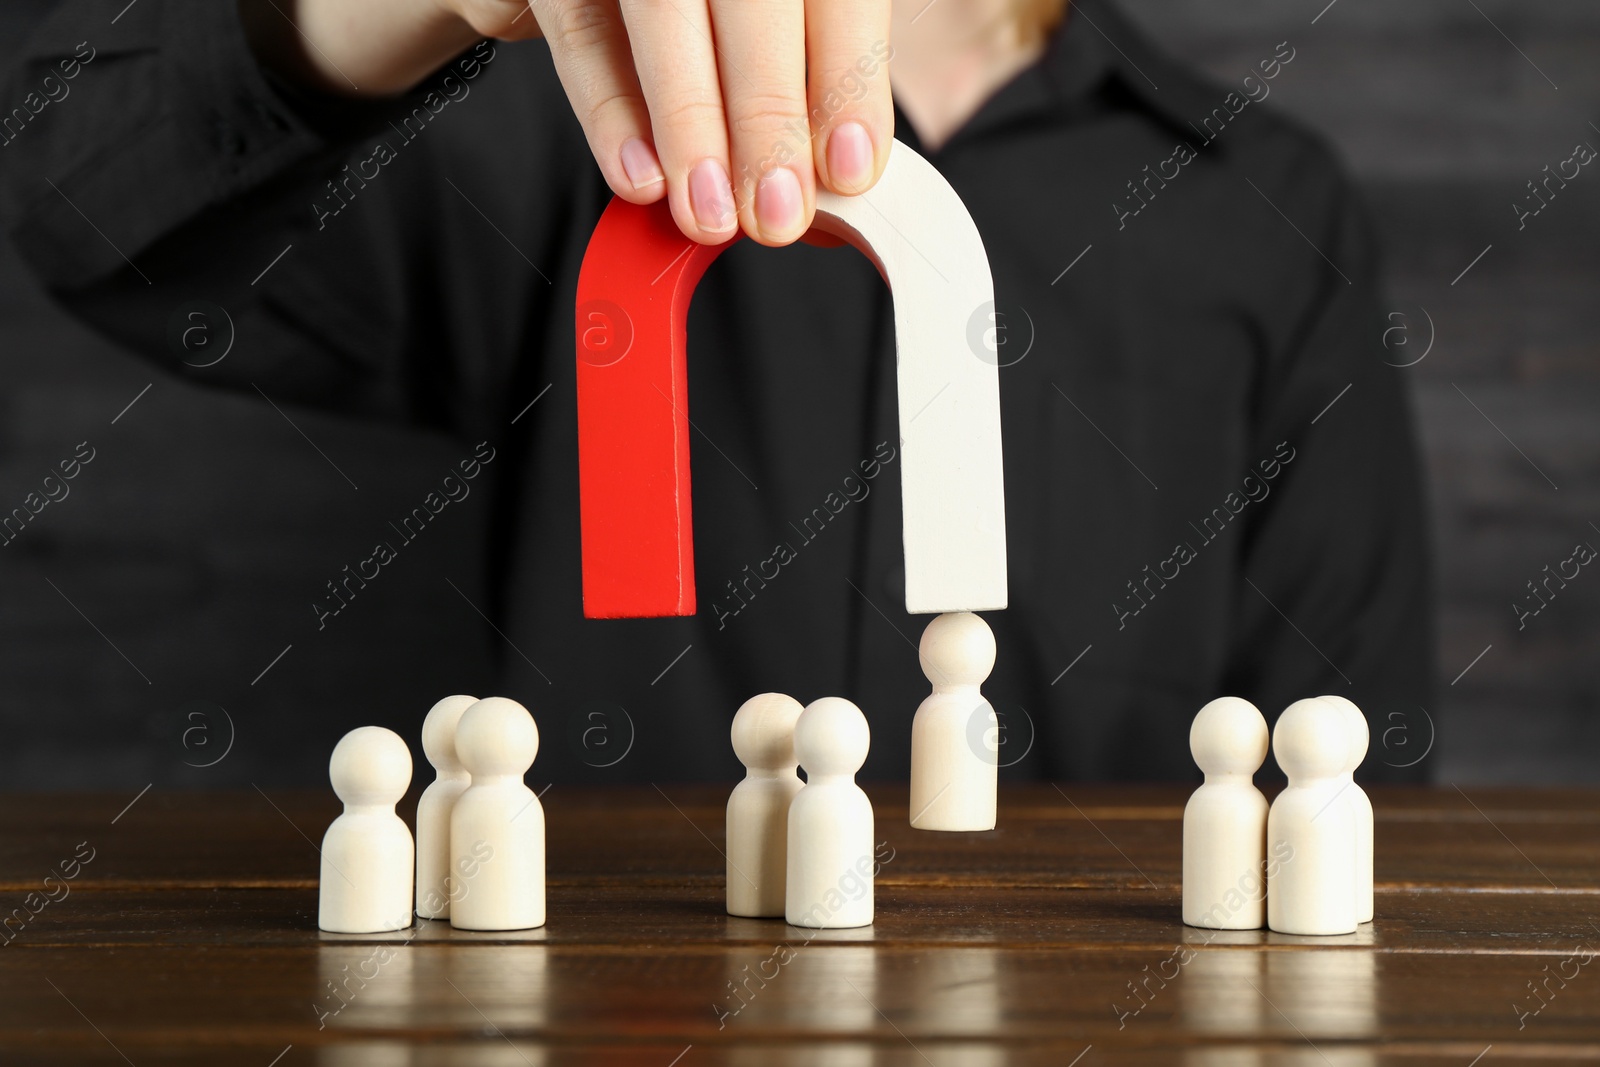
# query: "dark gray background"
135,613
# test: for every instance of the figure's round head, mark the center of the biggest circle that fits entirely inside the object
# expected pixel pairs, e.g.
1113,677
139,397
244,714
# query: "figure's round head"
1229,736
831,737
370,765
763,732
957,649
439,732
1360,735
1311,739
496,736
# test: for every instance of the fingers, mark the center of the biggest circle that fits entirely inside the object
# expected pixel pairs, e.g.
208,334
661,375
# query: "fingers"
677,67
734,110
589,45
761,55
852,115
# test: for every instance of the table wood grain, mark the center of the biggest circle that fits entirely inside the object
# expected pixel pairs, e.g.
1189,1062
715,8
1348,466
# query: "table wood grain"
187,935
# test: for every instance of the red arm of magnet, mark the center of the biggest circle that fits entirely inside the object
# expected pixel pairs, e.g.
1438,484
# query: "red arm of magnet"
638,276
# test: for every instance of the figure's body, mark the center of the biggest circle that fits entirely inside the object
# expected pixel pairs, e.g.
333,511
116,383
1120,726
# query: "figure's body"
497,827
367,853
831,863
758,808
955,733
1225,820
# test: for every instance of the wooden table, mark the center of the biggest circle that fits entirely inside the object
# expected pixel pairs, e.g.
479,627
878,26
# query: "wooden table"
190,937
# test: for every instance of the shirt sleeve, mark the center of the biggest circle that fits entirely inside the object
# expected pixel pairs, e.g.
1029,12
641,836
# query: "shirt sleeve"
171,176
159,115
1335,586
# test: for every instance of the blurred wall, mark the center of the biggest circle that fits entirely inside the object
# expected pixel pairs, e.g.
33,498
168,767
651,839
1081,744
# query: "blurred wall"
133,620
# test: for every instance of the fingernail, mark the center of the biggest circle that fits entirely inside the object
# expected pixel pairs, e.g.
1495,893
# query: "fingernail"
779,204
640,164
710,197
850,156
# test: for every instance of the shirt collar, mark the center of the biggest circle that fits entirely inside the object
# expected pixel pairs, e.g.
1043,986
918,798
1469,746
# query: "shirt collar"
1096,43
1095,48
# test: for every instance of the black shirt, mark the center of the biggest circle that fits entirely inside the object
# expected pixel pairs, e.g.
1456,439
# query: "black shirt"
1211,479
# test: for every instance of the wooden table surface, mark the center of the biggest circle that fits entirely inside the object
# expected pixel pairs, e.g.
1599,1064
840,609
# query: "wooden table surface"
187,935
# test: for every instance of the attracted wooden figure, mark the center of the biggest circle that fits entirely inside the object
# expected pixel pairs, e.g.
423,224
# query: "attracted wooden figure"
955,735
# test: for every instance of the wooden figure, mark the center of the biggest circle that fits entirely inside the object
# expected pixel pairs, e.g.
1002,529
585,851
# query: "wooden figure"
367,853
955,733
1360,804
497,827
831,861
1312,891
758,808
634,288
436,803
1225,821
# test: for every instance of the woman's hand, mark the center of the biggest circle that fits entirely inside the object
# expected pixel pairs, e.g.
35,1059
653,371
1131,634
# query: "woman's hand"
734,110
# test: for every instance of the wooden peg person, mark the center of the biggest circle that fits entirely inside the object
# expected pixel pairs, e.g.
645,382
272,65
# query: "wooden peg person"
367,853
1225,821
1309,830
497,827
436,803
758,808
955,733
831,862
1359,803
